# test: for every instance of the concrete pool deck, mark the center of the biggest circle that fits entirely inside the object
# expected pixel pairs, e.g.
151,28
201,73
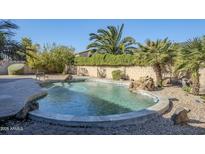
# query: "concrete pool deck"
18,90
16,93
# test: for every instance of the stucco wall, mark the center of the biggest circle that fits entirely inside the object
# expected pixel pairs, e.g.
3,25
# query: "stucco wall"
87,70
202,79
133,72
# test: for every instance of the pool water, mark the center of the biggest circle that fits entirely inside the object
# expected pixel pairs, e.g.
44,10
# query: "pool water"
91,99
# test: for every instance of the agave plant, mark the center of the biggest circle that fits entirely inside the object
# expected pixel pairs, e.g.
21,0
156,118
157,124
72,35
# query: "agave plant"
156,54
110,41
189,60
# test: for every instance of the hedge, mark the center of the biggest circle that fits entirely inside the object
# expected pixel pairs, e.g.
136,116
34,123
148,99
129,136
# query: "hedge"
106,60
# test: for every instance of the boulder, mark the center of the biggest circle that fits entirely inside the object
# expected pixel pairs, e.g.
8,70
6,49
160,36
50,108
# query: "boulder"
144,83
166,82
68,77
186,82
16,69
131,85
30,106
180,116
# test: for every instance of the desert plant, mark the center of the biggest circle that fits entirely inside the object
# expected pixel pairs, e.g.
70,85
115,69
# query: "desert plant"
16,69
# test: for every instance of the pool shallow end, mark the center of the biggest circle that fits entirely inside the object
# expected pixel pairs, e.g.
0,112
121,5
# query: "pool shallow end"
115,120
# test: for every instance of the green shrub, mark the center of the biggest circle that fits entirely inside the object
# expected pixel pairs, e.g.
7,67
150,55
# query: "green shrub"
16,69
187,89
106,60
52,60
117,75
203,97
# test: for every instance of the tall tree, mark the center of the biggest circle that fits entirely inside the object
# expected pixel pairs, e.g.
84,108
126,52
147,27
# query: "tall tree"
156,54
28,44
110,41
6,27
29,49
189,60
8,47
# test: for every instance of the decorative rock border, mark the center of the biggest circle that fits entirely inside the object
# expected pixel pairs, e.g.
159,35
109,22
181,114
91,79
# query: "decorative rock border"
115,120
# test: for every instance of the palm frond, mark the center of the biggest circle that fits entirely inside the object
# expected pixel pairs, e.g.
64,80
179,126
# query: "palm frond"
110,41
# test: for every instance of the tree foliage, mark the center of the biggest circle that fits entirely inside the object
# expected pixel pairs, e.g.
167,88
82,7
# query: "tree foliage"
189,60
157,54
52,60
8,47
6,27
110,41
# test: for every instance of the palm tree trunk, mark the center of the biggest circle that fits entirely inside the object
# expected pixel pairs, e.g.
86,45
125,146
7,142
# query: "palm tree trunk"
158,71
195,83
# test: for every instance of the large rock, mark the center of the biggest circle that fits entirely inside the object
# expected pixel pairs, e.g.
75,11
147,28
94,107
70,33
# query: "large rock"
68,77
16,69
131,86
180,116
30,106
144,83
186,82
166,82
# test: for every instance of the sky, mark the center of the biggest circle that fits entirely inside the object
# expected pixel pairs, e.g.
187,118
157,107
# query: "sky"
75,33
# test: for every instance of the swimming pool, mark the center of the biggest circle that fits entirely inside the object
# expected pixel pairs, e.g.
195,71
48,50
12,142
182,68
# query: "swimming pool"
91,99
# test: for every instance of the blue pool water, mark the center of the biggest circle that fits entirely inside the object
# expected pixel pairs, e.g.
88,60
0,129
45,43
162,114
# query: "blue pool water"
91,99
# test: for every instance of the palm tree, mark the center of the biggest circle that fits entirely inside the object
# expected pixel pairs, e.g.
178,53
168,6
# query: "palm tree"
189,60
9,47
110,41
156,54
6,26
